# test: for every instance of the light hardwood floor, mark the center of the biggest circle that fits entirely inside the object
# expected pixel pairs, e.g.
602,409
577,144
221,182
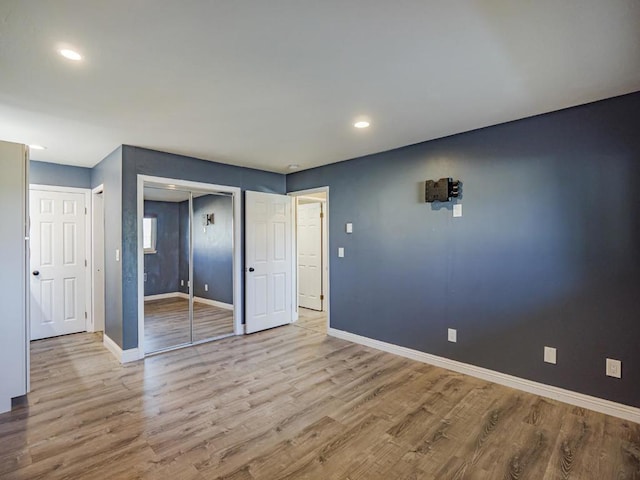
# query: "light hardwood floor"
292,403
166,323
311,319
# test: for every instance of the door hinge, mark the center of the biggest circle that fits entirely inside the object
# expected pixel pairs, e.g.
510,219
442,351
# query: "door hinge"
321,297
85,262
85,210
321,215
85,315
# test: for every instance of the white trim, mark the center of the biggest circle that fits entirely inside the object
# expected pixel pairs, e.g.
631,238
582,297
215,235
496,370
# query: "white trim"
88,223
162,296
123,356
237,220
326,251
567,396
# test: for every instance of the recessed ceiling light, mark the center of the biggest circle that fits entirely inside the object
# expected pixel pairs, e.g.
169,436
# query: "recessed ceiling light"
293,166
361,124
70,54
37,147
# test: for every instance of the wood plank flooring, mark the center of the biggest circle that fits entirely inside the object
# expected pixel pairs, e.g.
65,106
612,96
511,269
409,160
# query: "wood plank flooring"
312,319
166,323
292,403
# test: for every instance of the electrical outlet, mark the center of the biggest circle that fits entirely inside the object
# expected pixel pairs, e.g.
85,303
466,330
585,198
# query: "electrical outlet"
341,252
452,335
182,283
349,227
550,355
206,287
457,210
145,276
614,368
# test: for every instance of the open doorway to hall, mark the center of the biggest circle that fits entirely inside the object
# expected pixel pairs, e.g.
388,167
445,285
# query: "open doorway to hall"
312,258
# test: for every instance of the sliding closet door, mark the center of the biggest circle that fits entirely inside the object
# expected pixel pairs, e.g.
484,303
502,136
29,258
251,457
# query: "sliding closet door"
166,240
212,266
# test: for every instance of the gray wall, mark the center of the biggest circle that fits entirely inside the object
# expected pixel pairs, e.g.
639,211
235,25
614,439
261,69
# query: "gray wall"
162,267
109,173
546,252
42,173
183,242
136,161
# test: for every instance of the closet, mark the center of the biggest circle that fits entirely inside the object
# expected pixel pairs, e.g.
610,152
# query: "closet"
188,244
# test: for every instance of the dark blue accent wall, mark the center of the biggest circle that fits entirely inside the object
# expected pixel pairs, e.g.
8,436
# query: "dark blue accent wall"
136,160
546,253
109,174
184,247
213,248
43,173
161,268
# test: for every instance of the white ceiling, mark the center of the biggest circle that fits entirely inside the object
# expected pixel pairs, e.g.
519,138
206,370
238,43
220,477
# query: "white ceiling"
267,84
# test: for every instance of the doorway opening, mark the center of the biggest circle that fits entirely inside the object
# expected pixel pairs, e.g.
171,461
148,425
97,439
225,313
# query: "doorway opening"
188,263
312,258
97,260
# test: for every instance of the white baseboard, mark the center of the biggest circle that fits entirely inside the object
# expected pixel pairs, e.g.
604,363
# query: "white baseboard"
123,356
162,296
567,396
206,301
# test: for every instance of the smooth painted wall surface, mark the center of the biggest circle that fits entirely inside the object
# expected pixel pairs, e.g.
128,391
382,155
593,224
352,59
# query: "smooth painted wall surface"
136,160
161,268
43,173
109,173
545,254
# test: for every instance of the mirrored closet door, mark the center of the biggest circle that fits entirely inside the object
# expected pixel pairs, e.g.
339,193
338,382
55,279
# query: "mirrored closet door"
188,267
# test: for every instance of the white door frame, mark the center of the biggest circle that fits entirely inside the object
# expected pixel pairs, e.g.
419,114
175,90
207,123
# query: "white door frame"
88,301
97,248
325,251
237,273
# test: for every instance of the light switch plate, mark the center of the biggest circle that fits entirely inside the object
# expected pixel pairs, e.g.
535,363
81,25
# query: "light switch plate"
614,368
340,252
349,228
550,355
457,210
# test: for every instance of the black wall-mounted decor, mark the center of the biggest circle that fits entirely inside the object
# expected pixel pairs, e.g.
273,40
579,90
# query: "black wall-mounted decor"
442,190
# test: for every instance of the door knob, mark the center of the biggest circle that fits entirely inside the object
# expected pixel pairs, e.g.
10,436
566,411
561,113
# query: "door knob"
36,273
251,269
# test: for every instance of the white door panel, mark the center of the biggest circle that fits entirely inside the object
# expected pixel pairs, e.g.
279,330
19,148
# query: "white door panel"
268,260
57,263
309,246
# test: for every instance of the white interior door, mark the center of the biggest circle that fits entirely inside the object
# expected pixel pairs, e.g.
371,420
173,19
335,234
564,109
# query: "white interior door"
268,260
309,237
58,263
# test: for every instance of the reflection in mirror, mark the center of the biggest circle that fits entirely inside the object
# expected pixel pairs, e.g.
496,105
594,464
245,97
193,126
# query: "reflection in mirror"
212,266
166,269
